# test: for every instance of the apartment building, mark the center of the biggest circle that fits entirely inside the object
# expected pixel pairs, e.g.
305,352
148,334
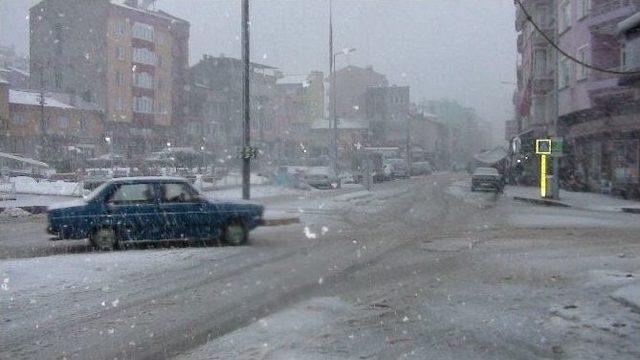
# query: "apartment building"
128,59
598,116
534,96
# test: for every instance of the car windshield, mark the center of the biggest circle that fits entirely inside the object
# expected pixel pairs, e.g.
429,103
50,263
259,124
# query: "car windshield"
320,179
486,171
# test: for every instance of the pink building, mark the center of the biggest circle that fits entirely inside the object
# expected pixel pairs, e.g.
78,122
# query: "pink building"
598,117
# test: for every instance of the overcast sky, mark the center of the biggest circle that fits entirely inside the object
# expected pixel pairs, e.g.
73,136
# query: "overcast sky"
458,49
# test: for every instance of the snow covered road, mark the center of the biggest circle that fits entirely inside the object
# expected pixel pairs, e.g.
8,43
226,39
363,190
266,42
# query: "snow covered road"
415,270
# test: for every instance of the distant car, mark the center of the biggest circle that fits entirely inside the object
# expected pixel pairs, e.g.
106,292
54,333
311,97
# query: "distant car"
487,178
151,208
421,168
320,177
396,168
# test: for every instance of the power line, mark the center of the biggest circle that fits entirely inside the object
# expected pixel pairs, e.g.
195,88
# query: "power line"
569,56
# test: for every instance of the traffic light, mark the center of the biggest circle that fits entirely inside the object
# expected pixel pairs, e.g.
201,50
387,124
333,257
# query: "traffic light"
543,147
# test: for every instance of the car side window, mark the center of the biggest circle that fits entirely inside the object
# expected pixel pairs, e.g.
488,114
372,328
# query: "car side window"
177,193
132,194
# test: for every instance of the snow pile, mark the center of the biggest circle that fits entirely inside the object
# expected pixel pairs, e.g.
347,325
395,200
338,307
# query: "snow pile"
29,185
14,213
288,334
629,295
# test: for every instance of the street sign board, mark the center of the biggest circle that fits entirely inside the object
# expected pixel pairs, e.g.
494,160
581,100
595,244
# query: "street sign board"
543,146
557,146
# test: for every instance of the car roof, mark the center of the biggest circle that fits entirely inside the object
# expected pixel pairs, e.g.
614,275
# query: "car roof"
143,179
486,170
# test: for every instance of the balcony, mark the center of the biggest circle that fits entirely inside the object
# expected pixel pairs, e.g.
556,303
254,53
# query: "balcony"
520,42
606,14
606,92
542,85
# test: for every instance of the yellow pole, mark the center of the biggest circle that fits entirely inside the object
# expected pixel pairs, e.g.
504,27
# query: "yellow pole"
543,175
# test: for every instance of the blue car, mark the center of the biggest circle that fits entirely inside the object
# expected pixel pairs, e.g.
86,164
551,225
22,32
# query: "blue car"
152,208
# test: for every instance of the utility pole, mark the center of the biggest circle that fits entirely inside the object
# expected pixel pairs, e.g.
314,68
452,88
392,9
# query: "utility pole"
246,139
409,152
334,120
555,186
43,124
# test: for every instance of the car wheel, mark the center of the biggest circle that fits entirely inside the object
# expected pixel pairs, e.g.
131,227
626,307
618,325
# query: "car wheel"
235,233
104,239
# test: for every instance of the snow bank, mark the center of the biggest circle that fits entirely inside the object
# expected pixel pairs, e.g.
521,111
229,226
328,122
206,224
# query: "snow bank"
284,335
29,185
14,213
629,295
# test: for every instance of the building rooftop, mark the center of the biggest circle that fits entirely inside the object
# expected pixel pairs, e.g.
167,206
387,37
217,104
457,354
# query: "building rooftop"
157,13
345,124
33,99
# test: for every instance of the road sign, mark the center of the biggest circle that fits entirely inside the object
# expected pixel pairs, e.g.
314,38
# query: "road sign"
543,146
557,145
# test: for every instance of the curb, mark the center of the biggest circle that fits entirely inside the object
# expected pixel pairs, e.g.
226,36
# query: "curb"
542,202
280,222
30,209
631,210
357,195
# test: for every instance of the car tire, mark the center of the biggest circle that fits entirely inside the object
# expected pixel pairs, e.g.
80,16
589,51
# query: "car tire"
235,233
104,239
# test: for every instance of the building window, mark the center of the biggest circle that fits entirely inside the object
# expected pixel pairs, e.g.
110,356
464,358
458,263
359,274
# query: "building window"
160,108
119,78
58,79
119,104
584,8
143,105
144,56
63,122
143,80
582,55
120,52
160,38
543,15
143,31
564,16
540,62
120,27
564,72
18,119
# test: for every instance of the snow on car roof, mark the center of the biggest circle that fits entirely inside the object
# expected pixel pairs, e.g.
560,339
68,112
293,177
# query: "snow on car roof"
148,178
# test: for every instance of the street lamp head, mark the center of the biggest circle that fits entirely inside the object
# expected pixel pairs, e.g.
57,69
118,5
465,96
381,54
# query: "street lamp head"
107,139
346,51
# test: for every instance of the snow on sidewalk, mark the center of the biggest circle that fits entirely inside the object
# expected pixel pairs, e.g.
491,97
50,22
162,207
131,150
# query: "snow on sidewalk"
290,334
629,295
29,185
579,200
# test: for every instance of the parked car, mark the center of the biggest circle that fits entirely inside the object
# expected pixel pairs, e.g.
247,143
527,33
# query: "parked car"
151,208
396,169
320,177
484,178
421,168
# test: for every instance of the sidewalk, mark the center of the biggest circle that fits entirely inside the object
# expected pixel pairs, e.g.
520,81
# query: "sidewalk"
578,200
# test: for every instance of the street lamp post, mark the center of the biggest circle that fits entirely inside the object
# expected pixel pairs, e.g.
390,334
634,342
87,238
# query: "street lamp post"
246,138
334,118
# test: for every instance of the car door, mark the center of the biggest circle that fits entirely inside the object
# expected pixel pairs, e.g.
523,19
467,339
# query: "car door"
133,208
184,211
